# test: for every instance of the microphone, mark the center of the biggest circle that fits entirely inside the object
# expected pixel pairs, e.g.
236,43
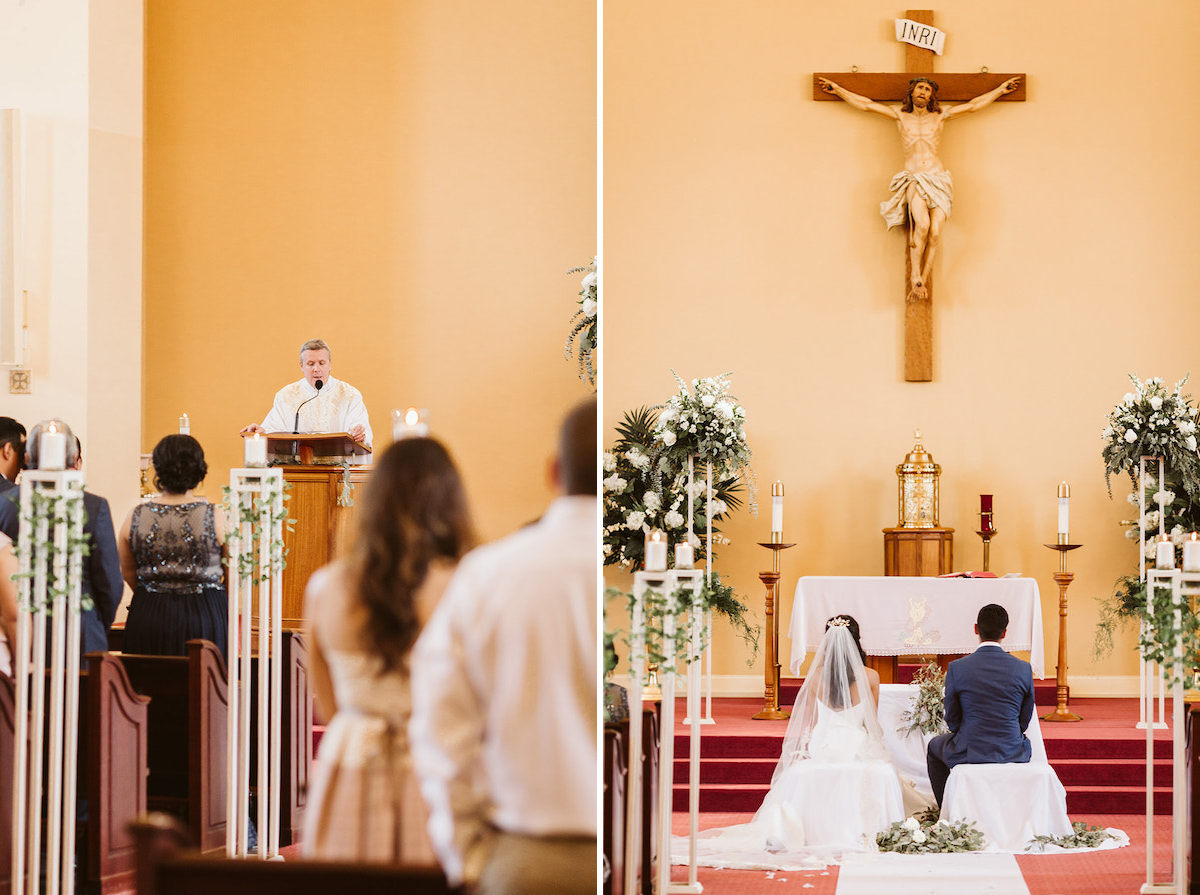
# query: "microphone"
318,385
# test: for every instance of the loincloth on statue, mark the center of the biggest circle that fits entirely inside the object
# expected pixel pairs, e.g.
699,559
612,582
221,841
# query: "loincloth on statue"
937,189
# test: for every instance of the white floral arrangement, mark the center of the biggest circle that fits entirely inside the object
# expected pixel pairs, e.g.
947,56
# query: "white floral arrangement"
1153,422
583,322
639,497
922,837
709,424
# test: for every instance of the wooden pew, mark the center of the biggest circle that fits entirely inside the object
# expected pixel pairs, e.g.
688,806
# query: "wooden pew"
615,784
650,741
188,726
112,774
188,729
164,868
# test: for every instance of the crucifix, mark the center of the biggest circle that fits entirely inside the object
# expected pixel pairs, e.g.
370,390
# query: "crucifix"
921,193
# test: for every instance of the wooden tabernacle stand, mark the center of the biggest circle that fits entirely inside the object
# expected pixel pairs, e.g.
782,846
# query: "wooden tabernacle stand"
323,526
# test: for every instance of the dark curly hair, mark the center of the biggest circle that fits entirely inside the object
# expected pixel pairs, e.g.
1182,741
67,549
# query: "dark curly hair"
414,511
178,464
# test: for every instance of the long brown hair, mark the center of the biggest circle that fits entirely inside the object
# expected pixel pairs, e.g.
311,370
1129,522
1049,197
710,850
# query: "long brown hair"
414,511
931,106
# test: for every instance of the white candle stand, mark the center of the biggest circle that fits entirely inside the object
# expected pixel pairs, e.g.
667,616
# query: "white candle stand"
666,583
706,679
1149,673
255,570
1181,585
50,597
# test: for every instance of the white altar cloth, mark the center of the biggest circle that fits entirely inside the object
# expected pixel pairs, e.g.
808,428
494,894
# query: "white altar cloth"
909,616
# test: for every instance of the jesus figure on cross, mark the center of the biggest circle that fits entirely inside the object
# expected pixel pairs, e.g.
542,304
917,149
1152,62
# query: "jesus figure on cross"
922,192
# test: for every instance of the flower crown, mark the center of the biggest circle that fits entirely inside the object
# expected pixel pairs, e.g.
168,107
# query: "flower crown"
839,622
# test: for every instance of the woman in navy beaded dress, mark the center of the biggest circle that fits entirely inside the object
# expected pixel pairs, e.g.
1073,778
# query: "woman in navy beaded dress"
171,549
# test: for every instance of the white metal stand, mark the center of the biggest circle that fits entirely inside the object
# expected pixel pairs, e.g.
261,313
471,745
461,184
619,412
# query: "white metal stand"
666,583
260,491
50,597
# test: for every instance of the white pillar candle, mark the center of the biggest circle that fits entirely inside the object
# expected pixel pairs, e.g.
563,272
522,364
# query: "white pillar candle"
185,425
685,557
408,424
1064,511
255,451
777,512
1191,554
656,552
52,449
1164,554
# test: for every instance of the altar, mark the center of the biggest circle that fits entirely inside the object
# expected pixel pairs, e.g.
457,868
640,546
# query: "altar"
917,616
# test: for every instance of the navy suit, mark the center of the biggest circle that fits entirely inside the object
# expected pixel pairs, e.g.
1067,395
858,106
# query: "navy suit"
102,579
5,484
989,703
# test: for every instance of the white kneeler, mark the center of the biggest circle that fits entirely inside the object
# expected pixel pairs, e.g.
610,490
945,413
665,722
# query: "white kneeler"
1009,803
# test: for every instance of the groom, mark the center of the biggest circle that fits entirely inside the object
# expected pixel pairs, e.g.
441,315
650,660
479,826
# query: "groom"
989,703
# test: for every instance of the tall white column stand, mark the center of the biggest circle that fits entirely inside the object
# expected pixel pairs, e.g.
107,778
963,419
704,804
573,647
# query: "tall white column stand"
708,564
1149,673
667,584
255,570
48,594
1179,584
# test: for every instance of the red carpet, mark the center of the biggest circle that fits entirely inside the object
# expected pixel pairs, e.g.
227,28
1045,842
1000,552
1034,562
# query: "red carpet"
1113,872
1100,760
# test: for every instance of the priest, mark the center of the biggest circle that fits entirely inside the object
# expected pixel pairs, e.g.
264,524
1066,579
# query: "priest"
317,402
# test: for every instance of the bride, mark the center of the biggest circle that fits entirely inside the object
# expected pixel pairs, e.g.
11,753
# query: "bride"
834,787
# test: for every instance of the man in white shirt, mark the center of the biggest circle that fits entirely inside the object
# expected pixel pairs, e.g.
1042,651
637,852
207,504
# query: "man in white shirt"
504,682
304,406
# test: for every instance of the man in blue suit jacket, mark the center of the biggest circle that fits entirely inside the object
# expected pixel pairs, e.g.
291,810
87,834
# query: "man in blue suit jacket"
989,703
102,580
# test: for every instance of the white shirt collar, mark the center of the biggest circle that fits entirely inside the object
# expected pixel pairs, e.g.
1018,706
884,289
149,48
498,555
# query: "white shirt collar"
311,389
995,643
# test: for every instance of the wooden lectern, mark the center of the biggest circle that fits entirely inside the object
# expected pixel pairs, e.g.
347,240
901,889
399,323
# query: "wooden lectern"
311,467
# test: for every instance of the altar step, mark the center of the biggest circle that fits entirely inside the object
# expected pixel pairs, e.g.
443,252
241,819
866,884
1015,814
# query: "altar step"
1044,692
1100,761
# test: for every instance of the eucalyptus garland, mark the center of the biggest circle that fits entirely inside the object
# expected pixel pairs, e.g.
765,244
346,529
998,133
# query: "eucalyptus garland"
922,836
658,606
1082,836
345,498
240,512
927,713
583,335
58,509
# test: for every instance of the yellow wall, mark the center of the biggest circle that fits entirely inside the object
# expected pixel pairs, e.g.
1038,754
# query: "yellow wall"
409,181
742,233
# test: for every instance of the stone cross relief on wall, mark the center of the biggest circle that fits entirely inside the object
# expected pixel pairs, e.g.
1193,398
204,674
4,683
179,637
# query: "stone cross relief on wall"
921,193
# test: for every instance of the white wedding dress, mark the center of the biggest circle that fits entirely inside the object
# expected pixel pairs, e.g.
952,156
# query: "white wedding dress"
834,788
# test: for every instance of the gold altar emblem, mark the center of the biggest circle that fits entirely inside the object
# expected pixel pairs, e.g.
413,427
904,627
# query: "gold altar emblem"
918,476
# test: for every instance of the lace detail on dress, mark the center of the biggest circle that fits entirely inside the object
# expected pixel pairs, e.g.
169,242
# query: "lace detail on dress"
176,547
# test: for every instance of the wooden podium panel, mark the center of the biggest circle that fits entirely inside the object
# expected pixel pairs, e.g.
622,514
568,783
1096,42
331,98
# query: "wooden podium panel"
322,531
918,552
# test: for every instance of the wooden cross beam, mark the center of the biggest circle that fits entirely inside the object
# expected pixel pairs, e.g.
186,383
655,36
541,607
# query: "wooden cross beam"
886,87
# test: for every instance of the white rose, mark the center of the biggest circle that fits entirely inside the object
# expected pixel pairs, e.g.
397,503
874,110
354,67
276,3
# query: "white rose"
610,462
635,520
615,484
652,501
673,519
1131,435
919,836
589,281
1191,442
911,825
1156,403
719,506
707,400
668,437
724,410
589,307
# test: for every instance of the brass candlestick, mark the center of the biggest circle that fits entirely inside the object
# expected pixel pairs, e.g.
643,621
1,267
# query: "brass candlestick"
771,710
987,531
1063,578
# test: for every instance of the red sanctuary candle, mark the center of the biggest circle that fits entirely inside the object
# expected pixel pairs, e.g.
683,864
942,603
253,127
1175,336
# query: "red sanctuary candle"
985,512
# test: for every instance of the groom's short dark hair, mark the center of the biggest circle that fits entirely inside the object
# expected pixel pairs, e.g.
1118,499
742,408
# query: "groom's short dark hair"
992,622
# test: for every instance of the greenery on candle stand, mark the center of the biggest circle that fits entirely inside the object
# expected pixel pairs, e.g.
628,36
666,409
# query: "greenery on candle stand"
57,509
